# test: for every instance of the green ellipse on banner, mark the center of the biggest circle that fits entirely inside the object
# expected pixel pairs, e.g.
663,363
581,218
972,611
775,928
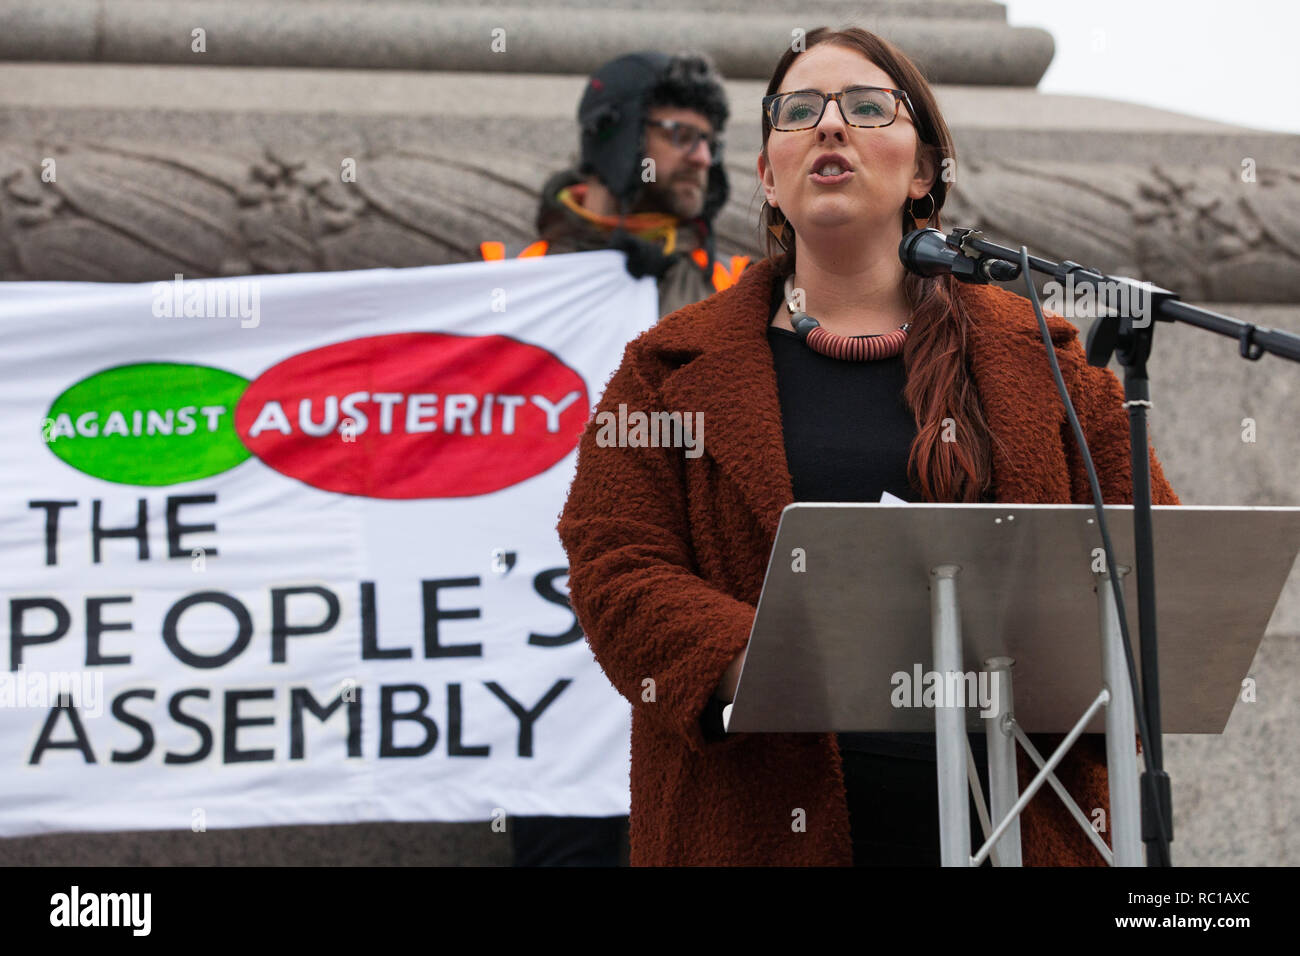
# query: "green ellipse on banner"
155,423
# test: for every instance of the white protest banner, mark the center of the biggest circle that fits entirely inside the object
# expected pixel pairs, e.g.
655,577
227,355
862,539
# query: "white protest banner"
282,549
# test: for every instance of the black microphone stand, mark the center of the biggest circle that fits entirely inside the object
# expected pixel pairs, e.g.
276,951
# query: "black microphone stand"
1129,338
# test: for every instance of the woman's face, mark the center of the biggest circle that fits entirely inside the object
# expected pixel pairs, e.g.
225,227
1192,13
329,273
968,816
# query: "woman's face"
884,170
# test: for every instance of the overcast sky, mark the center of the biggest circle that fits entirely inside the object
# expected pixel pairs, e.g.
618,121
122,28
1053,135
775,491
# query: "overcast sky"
1234,60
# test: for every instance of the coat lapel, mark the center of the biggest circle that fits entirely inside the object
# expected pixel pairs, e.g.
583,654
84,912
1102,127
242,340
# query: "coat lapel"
730,377
1022,407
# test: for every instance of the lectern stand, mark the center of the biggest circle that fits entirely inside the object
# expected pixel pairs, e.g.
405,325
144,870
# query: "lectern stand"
911,618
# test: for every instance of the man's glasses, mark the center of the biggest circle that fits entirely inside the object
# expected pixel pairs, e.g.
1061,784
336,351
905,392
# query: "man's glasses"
863,106
685,136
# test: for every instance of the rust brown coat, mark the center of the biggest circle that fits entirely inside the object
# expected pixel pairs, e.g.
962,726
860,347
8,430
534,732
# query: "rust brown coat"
667,556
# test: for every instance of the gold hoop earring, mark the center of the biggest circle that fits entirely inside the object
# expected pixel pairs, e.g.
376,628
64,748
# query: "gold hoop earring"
911,211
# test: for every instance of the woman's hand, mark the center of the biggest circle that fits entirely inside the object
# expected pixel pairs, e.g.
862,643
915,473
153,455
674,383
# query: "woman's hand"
731,677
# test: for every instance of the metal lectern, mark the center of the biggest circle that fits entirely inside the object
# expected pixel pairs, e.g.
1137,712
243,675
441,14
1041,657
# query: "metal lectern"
912,617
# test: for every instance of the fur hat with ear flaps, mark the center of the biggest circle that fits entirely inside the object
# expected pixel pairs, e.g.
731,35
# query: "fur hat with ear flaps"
613,111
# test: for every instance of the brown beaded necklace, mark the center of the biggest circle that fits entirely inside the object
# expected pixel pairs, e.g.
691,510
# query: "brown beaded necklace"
852,348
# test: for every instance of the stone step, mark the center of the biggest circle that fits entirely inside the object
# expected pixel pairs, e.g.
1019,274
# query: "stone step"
520,39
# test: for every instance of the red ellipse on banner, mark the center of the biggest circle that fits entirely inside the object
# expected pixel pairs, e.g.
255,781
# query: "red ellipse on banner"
415,415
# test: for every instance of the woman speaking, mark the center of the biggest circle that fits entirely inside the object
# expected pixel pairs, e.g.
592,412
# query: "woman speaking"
922,387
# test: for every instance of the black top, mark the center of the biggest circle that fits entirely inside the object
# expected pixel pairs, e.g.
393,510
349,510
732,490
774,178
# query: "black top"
847,438
848,434
847,431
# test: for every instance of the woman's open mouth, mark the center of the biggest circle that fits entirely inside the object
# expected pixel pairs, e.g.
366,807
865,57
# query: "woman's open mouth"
830,169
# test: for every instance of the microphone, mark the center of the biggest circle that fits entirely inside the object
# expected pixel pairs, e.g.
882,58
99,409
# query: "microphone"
927,253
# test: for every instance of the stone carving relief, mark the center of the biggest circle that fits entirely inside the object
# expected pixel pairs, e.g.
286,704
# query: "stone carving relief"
1202,231
140,213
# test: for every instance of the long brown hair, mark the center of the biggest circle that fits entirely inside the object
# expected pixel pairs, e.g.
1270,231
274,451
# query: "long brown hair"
939,385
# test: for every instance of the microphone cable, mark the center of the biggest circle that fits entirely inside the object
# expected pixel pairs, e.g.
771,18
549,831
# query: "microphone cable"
1111,566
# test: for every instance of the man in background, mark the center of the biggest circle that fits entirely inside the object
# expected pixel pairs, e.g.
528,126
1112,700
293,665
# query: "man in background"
649,182
650,179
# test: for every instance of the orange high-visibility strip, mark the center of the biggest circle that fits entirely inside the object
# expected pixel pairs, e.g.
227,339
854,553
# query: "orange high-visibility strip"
537,248
492,251
722,279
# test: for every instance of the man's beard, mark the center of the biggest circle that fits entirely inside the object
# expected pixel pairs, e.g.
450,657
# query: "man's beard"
661,197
